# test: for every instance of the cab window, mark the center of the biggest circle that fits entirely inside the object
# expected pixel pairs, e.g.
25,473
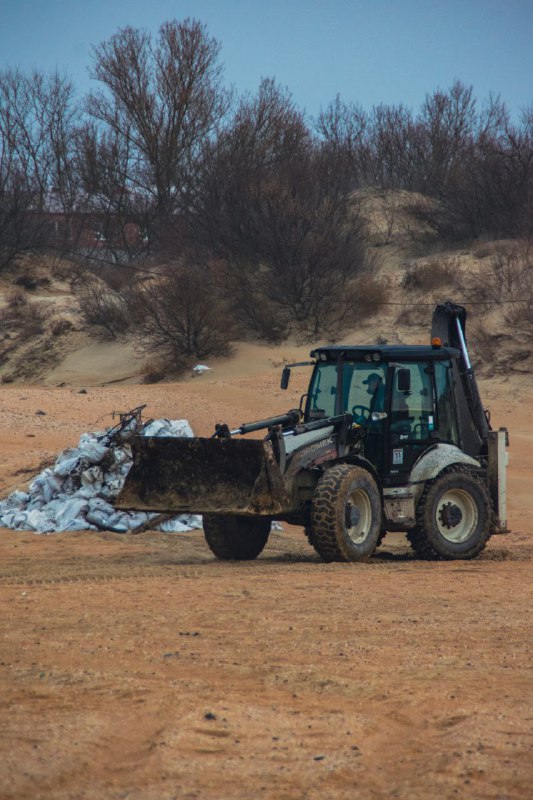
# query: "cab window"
322,392
445,403
363,391
412,410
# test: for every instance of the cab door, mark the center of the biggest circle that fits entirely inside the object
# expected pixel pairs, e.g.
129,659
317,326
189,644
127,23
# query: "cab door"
412,417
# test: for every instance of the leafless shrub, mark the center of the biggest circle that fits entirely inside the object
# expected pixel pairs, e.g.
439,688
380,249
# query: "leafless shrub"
507,277
520,315
184,317
252,308
104,308
483,250
485,347
431,275
391,212
24,317
370,295
155,370
511,271
32,320
16,299
61,326
114,276
413,316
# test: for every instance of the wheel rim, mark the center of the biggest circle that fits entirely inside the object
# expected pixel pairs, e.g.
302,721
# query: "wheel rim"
358,516
457,515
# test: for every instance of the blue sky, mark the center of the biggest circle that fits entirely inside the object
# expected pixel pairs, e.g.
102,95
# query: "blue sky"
368,51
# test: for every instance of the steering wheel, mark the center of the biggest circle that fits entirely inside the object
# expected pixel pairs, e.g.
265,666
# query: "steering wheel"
361,411
360,414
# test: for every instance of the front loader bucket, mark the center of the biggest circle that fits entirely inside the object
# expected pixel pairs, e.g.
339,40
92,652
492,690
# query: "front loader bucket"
216,476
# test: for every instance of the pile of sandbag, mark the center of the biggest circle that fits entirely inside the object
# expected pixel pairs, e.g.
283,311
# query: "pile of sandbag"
77,493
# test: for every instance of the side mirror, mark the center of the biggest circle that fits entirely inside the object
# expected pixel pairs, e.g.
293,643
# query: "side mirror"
404,380
285,377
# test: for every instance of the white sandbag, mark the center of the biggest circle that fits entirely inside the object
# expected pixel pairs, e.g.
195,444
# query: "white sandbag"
138,518
7,519
54,507
98,519
182,523
45,486
93,452
38,521
14,501
35,504
154,428
79,524
167,427
89,437
66,466
119,521
89,492
99,504
18,522
74,494
71,510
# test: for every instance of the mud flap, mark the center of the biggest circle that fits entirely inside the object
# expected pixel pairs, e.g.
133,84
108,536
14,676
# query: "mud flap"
215,476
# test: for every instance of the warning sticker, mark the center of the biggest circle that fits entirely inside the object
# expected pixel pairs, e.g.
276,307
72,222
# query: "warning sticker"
397,456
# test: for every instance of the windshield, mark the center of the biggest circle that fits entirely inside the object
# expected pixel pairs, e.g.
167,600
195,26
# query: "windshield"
363,389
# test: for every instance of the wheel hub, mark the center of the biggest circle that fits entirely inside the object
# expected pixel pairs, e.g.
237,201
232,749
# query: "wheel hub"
353,516
450,515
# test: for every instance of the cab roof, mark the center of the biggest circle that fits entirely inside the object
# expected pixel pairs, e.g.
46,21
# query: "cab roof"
375,353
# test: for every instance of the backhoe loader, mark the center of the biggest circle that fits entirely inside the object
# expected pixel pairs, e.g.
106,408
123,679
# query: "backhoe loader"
387,438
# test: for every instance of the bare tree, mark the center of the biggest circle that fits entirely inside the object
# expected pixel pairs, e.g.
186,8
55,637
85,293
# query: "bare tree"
121,216
448,125
38,118
477,167
393,141
162,101
344,129
275,207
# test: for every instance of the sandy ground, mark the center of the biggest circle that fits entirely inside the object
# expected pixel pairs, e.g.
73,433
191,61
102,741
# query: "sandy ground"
141,667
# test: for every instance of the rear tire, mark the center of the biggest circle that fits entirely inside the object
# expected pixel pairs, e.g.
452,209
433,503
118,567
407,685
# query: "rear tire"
346,514
454,516
236,538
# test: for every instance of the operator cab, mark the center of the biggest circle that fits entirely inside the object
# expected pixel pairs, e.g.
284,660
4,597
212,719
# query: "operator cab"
403,398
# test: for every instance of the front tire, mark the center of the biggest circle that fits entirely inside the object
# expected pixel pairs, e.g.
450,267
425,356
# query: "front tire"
236,538
346,514
454,516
